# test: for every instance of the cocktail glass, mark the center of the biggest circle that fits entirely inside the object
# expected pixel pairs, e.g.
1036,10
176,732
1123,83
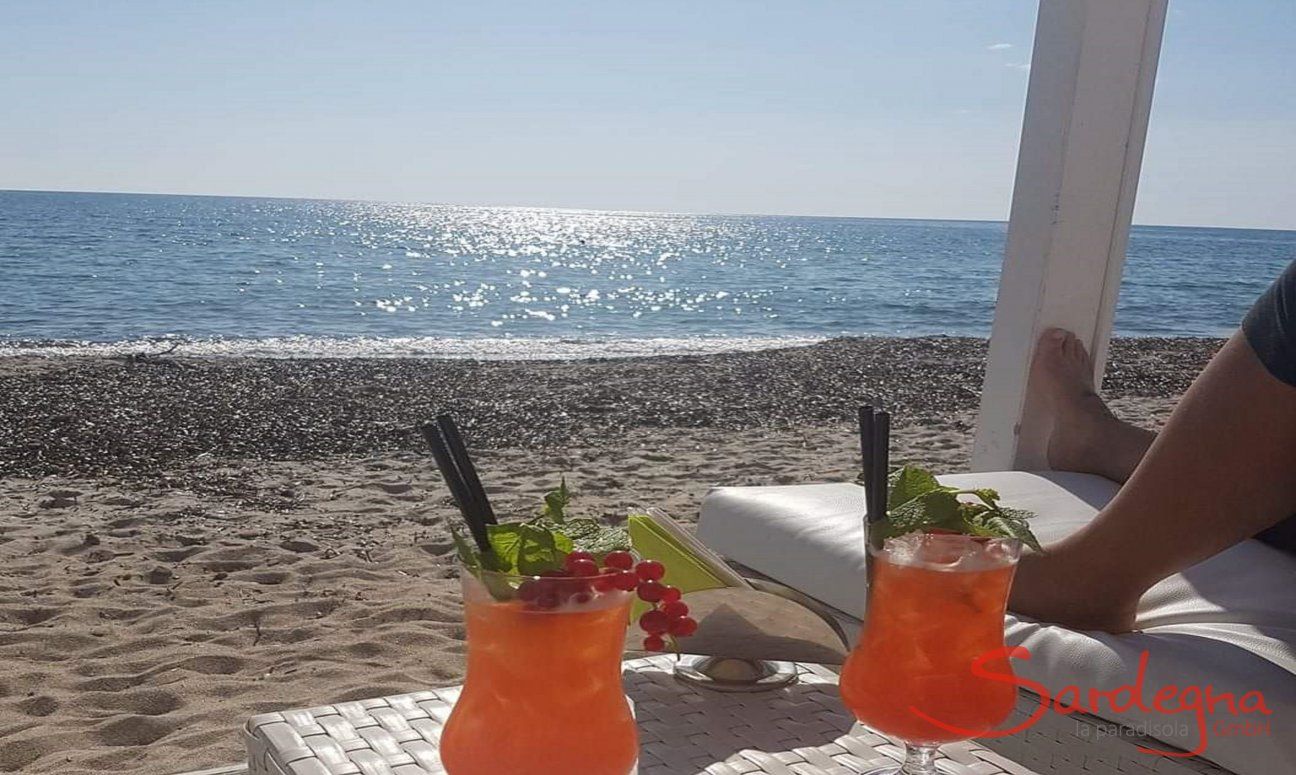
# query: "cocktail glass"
543,692
936,605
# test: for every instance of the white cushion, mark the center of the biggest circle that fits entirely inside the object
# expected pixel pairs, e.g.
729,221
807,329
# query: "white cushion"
1229,622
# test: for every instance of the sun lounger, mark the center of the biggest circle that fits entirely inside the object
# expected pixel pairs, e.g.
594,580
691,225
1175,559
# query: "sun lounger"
1229,622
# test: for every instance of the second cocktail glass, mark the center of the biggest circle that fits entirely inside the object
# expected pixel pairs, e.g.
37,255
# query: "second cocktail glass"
936,605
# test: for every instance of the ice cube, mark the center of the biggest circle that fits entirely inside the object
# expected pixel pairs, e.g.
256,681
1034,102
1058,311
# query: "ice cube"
947,551
990,554
905,549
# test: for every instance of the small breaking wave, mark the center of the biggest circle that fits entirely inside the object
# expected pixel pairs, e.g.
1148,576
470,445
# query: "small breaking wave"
487,349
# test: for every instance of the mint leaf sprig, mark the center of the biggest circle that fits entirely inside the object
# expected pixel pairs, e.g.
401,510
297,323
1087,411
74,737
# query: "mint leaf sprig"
556,503
538,545
586,535
916,501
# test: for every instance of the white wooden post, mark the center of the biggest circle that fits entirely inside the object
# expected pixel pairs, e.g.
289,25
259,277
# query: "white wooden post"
1087,106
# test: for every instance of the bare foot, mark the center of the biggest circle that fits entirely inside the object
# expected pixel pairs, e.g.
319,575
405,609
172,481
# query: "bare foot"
1066,585
1086,436
1052,588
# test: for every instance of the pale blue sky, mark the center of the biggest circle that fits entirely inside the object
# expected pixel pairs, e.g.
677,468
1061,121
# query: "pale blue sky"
900,109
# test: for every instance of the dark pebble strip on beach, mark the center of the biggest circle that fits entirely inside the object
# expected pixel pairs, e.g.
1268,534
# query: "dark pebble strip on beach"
132,419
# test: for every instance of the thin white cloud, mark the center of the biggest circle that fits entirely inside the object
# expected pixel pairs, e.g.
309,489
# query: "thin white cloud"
999,46
1024,66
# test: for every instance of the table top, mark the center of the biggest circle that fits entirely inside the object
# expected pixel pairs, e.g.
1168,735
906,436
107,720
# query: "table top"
801,729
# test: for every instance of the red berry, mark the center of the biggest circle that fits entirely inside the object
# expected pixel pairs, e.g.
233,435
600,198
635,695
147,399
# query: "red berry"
581,598
674,609
560,588
604,583
626,581
650,570
619,560
654,622
671,595
651,591
529,590
574,557
582,568
654,643
682,627
547,600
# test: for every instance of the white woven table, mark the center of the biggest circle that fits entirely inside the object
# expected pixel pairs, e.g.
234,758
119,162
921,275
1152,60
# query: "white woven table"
799,730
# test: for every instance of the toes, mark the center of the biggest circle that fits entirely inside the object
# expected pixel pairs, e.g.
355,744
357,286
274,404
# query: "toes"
1052,342
1070,346
1075,350
1054,336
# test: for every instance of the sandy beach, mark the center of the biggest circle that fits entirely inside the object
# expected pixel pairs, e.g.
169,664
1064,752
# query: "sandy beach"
187,542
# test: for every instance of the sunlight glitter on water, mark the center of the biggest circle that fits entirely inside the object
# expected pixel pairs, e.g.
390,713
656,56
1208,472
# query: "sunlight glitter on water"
122,268
487,349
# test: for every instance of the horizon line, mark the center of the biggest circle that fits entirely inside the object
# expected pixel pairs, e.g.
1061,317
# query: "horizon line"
597,210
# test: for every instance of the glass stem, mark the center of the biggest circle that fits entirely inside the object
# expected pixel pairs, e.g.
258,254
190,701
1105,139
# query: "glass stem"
919,760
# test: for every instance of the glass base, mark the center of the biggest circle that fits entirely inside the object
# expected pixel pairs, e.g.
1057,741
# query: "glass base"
727,674
919,760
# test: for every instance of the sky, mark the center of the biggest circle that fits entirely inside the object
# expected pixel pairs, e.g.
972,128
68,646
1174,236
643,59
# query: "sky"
870,108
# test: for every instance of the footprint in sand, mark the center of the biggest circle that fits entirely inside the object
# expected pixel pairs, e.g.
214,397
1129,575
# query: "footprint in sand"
75,547
299,546
177,555
39,705
159,575
437,549
143,702
136,730
394,488
111,683
27,616
270,577
365,650
58,499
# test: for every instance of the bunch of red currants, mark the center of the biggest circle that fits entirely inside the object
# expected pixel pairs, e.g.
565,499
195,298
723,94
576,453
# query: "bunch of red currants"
669,615
582,577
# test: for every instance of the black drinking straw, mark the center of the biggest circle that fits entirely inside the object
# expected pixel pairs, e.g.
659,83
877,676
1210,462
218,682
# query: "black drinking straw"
866,448
458,489
881,463
468,471
875,444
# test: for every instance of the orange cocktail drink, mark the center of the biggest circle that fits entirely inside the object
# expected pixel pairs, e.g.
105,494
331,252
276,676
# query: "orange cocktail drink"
543,692
935,605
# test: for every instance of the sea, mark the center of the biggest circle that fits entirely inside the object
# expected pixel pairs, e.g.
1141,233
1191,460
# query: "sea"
90,273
